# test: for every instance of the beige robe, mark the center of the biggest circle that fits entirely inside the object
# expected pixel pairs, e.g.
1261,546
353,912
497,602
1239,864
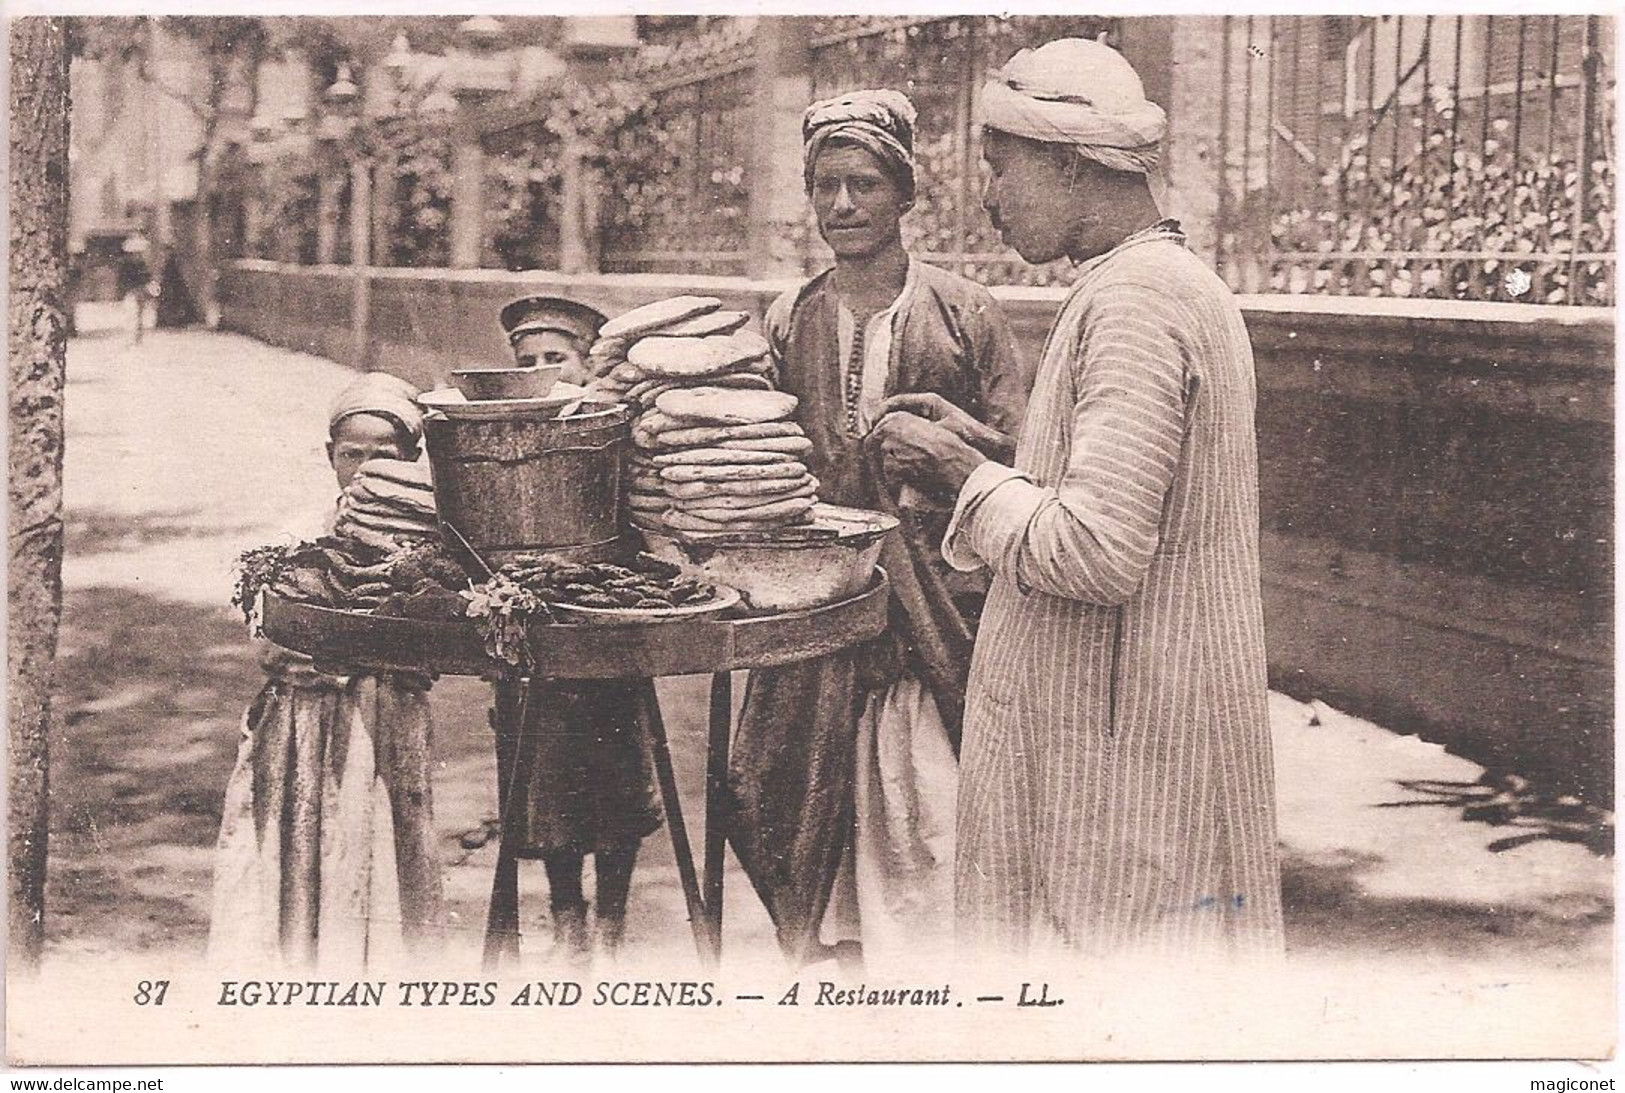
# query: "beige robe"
326,855
1116,780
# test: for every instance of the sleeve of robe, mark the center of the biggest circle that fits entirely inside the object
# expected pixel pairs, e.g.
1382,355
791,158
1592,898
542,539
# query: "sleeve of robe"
1003,380
776,326
1091,537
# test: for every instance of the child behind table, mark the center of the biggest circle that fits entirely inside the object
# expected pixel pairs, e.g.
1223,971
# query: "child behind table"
592,786
326,850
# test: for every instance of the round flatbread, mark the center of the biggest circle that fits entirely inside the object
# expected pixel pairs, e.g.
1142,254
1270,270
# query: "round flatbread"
655,422
759,488
699,457
397,470
733,472
380,486
657,316
689,358
808,491
601,367
761,366
382,541
390,512
717,322
644,393
382,493
747,380
788,508
751,345
724,406
683,521
378,522
609,348
647,502
673,435
782,445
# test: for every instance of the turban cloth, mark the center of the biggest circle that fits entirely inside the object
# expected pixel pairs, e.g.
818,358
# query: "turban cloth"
879,122
1081,93
382,395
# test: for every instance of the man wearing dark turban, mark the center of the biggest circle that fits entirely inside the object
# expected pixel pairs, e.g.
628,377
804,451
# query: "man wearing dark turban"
844,772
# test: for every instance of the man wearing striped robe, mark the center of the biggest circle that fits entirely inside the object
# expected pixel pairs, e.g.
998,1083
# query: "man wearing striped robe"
1117,791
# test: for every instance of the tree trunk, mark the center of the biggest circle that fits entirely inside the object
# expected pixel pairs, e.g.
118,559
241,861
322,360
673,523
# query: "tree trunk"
204,227
221,72
39,247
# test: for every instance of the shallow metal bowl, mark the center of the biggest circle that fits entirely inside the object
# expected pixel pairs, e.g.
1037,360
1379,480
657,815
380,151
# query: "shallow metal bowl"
826,561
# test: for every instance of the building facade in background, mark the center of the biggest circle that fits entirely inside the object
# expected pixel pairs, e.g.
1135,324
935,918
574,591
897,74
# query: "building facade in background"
1435,156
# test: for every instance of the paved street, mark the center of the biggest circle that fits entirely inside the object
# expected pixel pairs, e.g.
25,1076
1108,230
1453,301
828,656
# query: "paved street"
193,446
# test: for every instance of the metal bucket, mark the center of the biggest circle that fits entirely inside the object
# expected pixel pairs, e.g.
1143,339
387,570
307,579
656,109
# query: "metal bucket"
529,482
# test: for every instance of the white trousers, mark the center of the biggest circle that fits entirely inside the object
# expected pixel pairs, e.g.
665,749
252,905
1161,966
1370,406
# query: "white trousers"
895,890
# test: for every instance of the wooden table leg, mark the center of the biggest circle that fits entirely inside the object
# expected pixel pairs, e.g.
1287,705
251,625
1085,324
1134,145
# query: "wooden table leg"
514,760
716,788
698,919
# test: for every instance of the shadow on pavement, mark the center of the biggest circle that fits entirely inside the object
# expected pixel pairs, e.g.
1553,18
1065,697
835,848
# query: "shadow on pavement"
1513,801
103,531
147,708
1329,910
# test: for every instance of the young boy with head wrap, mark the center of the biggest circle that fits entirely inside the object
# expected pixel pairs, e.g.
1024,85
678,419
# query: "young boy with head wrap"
1117,794
326,849
844,773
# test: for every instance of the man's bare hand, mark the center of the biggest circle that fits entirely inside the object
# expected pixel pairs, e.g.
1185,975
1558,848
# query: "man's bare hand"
933,407
925,454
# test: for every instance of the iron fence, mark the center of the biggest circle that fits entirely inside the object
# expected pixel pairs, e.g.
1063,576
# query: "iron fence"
1456,156
941,64
687,211
690,210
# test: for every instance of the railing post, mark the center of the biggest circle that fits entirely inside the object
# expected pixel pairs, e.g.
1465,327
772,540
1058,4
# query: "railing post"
327,216
1190,163
360,262
467,196
578,224
384,191
783,90
1582,166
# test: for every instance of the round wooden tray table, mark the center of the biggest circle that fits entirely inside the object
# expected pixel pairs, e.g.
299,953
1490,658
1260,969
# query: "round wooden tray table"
640,651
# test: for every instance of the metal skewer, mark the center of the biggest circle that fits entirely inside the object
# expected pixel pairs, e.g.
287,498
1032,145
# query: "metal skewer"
466,545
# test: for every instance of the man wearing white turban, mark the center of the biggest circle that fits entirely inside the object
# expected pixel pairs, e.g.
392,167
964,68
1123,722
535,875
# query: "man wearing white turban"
1117,792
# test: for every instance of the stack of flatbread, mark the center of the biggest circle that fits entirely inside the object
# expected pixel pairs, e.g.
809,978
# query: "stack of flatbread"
721,459
684,340
716,447
387,503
